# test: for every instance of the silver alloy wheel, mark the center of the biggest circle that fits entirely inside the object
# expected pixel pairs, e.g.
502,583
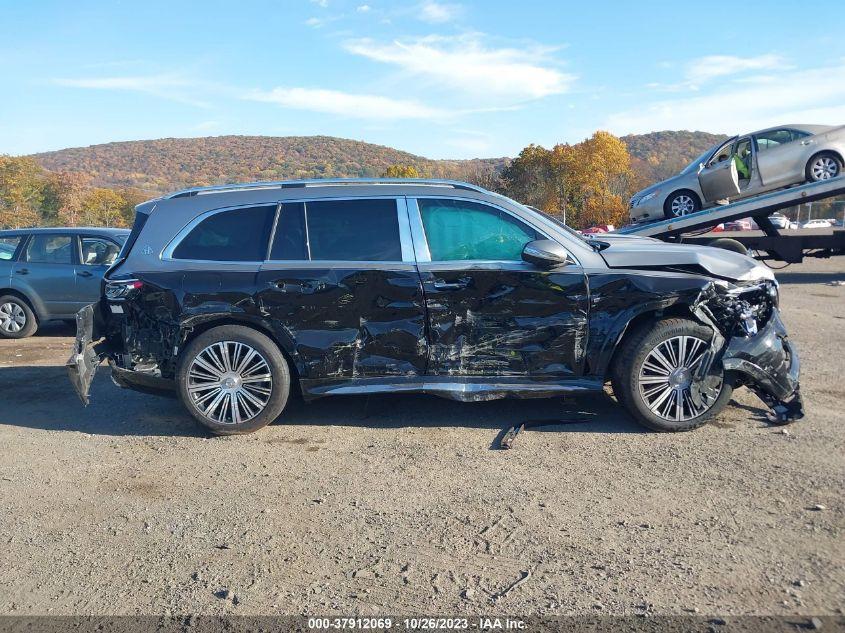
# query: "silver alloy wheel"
12,318
229,382
667,377
682,204
824,168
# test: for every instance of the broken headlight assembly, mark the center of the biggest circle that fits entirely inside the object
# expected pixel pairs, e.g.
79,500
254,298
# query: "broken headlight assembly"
744,310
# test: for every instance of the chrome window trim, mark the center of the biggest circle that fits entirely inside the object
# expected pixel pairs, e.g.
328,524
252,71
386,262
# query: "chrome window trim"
421,241
406,245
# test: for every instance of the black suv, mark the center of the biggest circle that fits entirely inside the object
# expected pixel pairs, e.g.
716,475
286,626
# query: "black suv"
232,295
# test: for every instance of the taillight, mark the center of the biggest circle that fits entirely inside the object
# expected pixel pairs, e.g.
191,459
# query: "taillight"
122,289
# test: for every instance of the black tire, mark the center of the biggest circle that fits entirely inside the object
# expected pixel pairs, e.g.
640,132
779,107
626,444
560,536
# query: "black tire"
729,244
12,310
688,200
279,384
625,374
823,166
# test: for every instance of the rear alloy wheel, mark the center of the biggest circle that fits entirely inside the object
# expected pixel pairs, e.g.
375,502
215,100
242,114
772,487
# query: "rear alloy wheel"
656,377
823,167
233,380
681,203
16,318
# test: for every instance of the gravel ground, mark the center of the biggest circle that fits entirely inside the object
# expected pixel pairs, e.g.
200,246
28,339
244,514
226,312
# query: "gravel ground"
397,504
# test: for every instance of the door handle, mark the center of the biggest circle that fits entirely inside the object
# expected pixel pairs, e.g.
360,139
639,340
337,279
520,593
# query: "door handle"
450,285
22,271
84,273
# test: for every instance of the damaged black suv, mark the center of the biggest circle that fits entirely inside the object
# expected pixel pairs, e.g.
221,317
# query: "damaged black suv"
233,296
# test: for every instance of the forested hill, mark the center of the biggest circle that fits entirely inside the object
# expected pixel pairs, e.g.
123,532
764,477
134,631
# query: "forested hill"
659,155
163,165
171,163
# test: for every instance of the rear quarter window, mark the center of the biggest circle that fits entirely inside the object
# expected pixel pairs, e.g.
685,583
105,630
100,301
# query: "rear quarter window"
234,235
8,246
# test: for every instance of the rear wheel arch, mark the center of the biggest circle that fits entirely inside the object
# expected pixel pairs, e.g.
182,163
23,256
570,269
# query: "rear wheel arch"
258,326
23,297
826,152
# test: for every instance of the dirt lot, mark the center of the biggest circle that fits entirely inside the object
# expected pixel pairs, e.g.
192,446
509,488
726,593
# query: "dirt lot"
397,504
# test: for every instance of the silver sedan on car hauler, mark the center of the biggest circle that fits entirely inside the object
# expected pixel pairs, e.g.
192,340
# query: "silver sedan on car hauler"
744,166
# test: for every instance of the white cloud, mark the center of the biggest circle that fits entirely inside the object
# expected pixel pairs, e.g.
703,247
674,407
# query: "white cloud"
465,64
364,8
362,106
437,13
314,22
710,67
321,3
166,86
808,96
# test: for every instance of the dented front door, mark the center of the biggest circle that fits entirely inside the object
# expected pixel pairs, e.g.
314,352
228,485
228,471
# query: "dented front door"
490,313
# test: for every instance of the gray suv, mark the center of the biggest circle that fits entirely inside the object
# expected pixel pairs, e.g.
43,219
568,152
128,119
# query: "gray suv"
51,273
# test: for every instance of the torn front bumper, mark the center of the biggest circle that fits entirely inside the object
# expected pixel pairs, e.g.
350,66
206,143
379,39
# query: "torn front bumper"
86,356
770,367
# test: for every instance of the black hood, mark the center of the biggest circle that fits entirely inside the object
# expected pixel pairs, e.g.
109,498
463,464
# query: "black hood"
628,251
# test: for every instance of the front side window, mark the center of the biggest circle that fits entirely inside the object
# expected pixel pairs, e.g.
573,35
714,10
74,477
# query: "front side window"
8,246
464,230
236,235
353,230
98,251
49,249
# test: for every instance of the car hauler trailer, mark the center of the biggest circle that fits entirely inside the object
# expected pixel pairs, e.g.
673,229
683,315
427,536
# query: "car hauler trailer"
789,246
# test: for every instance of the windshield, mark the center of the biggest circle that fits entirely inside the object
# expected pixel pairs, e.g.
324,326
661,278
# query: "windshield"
560,223
693,166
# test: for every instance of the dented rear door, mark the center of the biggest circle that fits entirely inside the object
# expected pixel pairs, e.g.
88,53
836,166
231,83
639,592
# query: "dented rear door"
342,290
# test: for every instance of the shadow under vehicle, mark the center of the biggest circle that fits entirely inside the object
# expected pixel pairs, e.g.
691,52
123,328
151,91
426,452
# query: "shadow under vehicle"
235,296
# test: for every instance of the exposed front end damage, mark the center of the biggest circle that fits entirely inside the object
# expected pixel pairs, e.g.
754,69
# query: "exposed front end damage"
750,340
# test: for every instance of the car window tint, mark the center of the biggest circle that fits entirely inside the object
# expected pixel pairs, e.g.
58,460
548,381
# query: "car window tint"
237,235
49,249
289,240
463,230
773,138
353,230
98,251
8,246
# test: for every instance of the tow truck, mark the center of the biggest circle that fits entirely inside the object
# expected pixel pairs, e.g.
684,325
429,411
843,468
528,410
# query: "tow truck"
769,243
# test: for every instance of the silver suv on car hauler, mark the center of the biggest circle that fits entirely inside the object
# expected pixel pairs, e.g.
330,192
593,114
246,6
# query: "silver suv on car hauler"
234,296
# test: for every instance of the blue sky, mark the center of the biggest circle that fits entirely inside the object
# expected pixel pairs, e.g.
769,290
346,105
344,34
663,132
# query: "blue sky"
438,78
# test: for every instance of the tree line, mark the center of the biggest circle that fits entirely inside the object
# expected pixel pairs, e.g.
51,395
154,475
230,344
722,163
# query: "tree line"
586,183
32,196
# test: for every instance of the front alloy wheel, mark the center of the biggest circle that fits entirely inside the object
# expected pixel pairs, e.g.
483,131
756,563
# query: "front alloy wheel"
680,204
662,375
233,379
666,380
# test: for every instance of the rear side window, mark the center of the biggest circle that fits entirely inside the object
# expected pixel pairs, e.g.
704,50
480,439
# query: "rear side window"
98,251
353,230
49,249
463,230
236,235
289,241
8,246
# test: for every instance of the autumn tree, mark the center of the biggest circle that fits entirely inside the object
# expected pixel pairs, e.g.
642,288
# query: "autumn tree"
401,171
529,178
103,207
63,197
21,191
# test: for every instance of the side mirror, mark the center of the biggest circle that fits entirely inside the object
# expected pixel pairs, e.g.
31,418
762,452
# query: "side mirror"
545,254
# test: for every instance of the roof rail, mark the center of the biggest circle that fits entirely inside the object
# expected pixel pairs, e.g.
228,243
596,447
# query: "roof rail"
322,182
